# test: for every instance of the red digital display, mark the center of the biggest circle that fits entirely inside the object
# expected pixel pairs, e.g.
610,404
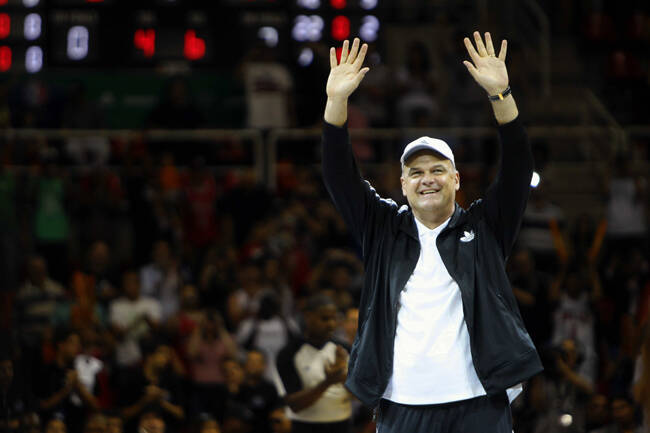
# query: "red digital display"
194,47
5,25
5,58
340,28
145,40
338,4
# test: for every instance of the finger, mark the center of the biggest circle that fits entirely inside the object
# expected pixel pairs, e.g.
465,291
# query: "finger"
503,51
488,44
471,51
353,52
362,73
333,62
472,70
360,58
479,44
344,52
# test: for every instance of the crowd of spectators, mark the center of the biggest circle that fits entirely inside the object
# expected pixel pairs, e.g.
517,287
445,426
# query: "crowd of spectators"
173,297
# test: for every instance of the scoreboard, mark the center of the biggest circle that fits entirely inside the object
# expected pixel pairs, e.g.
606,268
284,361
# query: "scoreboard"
41,34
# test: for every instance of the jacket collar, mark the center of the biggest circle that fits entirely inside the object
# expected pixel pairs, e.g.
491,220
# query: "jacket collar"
410,228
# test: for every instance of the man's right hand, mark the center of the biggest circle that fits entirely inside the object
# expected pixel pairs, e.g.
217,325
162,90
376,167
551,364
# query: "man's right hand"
344,78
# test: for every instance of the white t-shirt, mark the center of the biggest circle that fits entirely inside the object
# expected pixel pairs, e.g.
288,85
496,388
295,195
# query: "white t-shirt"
267,93
123,312
432,361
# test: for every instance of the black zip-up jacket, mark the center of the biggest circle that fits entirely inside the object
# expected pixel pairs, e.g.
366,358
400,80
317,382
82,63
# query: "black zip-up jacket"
502,351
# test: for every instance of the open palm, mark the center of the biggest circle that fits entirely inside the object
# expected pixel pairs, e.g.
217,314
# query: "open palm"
346,75
488,70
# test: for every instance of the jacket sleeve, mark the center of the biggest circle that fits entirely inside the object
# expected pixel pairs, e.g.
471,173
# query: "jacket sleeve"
506,198
357,201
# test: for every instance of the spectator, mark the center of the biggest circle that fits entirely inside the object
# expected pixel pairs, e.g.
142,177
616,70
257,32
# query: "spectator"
313,369
597,413
96,423
279,422
350,324
267,332
268,85
244,302
15,396
132,318
157,387
36,301
258,394
62,389
623,418
209,345
114,423
199,211
151,422
98,276
56,424
574,318
626,206
161,279
234,380
51,219
208,424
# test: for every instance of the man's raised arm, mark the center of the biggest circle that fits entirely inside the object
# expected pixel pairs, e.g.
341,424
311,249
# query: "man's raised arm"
505,200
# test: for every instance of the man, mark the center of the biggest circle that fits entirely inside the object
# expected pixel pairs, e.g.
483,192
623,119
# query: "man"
440,337
151,422
62,390
313,369
258,393
132,318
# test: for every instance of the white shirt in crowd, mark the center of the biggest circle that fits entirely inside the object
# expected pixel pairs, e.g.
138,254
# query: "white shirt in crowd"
124,313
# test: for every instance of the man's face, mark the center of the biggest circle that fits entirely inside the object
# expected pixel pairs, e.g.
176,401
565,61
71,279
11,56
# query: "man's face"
55,426
151,424
321,323
429,182
114,425
255,364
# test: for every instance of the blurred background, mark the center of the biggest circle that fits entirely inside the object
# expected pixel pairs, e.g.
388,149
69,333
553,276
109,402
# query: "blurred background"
163,218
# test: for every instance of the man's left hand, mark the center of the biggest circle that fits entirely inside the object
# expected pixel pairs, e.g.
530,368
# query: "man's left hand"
488,69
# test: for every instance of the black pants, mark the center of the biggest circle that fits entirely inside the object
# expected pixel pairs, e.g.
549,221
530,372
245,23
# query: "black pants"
477,415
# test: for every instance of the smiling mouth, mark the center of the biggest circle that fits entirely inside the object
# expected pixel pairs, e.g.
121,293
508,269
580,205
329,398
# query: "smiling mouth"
429,192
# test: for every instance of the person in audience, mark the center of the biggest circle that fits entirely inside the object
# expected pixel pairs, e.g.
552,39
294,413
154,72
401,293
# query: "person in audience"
56,424
157,387
267,332
207,348
313,369
258,394
132,318
161,279
62,389
36,301
151,421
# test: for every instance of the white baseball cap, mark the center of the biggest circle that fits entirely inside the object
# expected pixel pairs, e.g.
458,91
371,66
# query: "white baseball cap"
435,144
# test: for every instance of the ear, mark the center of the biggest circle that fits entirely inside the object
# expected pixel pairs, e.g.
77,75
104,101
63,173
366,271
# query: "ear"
402,181
457,187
